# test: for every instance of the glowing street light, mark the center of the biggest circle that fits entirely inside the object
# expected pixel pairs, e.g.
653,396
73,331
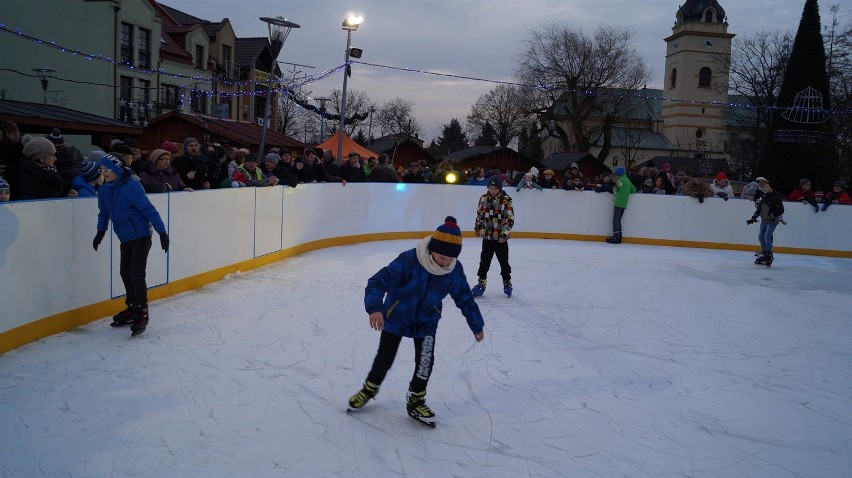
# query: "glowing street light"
350,24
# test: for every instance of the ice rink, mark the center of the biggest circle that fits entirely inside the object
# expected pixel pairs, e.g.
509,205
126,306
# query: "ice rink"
608,361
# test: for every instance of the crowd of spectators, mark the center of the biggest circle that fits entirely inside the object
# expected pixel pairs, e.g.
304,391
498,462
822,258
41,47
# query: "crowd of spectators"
45,166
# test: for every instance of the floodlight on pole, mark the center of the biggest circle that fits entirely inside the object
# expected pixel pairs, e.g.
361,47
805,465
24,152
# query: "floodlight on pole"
350,24
43,76
279,30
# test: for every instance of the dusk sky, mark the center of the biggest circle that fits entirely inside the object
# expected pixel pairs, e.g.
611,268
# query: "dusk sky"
472,38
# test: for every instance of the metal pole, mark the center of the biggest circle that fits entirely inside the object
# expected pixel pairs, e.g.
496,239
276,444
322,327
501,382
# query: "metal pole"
266,115
343,98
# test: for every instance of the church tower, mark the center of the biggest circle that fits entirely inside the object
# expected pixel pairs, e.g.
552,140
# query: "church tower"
697,54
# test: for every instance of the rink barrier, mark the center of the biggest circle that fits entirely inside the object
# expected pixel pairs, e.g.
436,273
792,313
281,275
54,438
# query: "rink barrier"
52,281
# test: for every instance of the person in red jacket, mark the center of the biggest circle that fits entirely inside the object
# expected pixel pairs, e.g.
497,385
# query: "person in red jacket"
803,194
836,196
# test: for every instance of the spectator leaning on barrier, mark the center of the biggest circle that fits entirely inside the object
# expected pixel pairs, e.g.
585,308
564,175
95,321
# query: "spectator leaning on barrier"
190,165
605,185
253,174
123,201
383,172
89,180
696,188
837,195
548,181
159,176
721,187
804,195
38,177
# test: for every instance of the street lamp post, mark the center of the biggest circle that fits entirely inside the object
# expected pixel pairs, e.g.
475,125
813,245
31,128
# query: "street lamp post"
42,75
279,29
350,24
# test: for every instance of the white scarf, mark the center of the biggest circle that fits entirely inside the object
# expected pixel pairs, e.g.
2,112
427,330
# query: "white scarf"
425,259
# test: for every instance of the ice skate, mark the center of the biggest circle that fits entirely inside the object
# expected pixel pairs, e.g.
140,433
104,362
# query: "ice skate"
507,288
479,288
364,395
761,260
125,317
140,320
614,239
768,259
417,408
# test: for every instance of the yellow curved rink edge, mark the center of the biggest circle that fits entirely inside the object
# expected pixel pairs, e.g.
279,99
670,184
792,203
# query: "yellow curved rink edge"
70,319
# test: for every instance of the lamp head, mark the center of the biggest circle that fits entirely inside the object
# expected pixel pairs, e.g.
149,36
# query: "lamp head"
279,29
352,21
355,52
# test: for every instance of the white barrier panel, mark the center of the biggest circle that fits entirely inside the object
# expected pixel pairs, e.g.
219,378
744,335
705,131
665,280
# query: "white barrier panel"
48,267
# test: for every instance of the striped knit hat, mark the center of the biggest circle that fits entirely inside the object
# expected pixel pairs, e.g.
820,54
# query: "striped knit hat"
447,240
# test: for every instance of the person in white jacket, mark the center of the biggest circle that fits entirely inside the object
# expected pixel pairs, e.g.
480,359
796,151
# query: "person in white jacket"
721,187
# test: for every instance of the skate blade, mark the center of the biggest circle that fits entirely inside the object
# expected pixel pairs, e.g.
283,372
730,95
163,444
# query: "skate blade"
120,324
135,335
428,423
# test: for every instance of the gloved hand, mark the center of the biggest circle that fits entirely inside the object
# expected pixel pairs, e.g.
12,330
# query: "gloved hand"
164,242
98,238
751,221
701,199
723,195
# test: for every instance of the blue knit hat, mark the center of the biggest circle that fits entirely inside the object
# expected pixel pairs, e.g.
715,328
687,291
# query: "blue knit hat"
495,181
89,171
619,171
113,163
447,240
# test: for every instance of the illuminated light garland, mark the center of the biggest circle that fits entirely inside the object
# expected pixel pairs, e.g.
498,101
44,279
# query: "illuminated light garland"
605,93
89,56
106,59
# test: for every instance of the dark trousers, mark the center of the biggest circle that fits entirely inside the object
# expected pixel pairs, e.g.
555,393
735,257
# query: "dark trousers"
489,250
134,260
424,357
617,213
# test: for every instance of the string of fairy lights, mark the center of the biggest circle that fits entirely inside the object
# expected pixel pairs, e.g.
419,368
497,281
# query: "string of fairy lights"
291,87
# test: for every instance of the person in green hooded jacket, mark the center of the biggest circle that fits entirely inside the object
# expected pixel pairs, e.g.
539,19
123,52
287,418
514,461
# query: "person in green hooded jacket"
622,189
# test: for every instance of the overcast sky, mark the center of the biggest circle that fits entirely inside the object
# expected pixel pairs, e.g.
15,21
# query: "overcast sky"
473,38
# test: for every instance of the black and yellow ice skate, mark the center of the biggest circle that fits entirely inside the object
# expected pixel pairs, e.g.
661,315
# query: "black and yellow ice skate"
363,396
418,410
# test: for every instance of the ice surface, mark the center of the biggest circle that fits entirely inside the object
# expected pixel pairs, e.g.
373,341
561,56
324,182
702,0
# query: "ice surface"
608,361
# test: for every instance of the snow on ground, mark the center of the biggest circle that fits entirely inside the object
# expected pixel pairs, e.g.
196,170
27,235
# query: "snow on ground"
608,361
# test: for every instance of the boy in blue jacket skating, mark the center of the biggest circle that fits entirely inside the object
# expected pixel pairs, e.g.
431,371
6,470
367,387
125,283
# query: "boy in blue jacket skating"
404,299
122,200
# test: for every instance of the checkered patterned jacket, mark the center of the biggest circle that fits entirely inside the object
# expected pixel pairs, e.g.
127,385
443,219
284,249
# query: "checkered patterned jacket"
494,216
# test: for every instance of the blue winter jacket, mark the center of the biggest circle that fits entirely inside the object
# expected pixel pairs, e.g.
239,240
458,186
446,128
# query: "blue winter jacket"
411,298
124,202
83,188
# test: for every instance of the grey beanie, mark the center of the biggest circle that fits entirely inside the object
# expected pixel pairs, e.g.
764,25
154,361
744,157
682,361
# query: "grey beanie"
273,157
189,141
36,147
95,155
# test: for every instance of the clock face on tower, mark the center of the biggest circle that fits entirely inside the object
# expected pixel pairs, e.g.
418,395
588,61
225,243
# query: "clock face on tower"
708,43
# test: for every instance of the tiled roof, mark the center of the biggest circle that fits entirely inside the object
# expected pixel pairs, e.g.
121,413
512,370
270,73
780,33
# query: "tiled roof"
68,120
246,50
182,17
636,138
240,133
561,161
457,156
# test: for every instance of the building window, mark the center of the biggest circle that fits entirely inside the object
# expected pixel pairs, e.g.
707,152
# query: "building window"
673,78
169,97
198,101
127,43
144,48
226,61
125,98
199,57
708,16
704,75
